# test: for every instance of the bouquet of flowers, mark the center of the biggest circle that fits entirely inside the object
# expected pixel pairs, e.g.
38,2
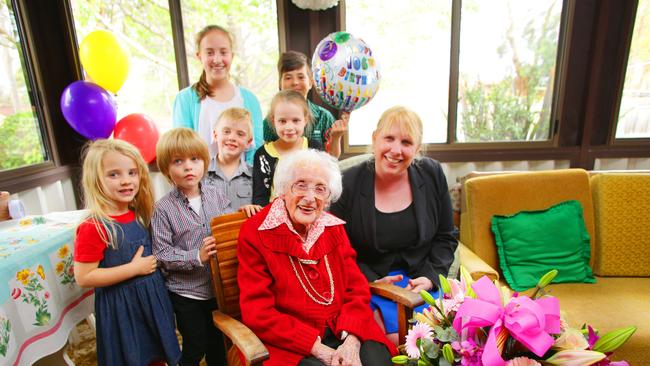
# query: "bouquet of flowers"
482,323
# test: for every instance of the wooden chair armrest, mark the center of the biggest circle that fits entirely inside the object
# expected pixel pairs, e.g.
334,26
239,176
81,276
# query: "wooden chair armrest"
475,265
243,338
406,302
396,294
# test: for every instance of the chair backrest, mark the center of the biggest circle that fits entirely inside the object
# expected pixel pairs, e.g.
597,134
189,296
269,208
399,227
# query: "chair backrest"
223,266
507,194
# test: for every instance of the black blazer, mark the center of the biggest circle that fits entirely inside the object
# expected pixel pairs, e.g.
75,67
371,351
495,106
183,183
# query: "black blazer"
434,251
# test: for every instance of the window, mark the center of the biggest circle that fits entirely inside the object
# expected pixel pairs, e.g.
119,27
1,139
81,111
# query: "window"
144,30
21,142
634,112
414,64
508,51
504,75
254,27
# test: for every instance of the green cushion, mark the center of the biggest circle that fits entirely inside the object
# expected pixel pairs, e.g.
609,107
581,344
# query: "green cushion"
531,243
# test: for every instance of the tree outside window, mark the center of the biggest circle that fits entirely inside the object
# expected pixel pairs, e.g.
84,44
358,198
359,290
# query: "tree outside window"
21,140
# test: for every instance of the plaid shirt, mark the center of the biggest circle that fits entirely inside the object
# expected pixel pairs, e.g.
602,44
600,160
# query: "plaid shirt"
177,235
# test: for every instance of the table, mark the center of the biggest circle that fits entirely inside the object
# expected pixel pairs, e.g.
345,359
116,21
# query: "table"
40,302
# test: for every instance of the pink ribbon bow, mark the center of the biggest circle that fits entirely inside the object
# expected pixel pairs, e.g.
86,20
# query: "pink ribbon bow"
528,321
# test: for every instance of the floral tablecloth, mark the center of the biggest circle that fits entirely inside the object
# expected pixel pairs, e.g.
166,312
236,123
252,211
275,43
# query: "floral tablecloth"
39,300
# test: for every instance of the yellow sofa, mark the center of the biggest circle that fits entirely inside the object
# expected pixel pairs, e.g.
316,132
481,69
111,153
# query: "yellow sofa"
617,216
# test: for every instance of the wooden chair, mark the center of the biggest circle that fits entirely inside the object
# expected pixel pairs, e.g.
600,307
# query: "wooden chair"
223,266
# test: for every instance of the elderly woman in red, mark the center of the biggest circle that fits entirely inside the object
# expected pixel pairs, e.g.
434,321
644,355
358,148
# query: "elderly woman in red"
301,290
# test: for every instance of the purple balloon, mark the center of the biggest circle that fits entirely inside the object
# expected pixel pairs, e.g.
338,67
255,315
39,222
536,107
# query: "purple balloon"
89,109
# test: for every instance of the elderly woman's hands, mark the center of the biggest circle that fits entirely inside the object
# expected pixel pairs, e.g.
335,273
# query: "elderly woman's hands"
347,354
322,352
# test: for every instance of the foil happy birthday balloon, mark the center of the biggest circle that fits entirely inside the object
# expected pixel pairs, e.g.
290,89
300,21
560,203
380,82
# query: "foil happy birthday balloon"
346,72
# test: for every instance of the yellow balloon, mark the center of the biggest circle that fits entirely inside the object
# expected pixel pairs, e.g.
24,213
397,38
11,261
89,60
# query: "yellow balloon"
104,59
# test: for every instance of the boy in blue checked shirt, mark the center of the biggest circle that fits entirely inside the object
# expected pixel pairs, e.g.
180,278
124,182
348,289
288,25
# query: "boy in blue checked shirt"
183,243
233,133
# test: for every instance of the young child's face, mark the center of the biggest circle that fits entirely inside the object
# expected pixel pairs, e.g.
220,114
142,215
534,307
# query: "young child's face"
186,172
121,179
289,121
232,137
297,80
215,54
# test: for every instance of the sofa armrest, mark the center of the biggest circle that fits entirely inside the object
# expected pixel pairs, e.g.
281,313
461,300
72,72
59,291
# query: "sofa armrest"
242,337
475,265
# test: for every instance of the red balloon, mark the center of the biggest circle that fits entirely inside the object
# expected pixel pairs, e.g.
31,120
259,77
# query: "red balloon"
141,131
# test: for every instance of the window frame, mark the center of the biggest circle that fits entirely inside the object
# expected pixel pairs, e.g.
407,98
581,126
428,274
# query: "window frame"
20,174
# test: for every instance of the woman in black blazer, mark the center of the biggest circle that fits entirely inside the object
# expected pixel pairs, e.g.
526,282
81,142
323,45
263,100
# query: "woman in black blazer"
398,212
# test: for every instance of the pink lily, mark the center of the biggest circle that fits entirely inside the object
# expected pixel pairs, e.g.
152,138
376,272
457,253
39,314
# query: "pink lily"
453,300
526,320
575,358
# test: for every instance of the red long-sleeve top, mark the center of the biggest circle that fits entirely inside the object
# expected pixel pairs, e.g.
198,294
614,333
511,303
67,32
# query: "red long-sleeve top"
278,310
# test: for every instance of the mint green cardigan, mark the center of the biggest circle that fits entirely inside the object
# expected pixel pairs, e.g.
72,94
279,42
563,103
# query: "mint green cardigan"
187,108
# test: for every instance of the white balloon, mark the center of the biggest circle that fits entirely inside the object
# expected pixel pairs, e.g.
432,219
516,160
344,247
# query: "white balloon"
346,73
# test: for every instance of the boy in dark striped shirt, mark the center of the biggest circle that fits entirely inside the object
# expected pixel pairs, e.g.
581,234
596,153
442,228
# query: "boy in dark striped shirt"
183,243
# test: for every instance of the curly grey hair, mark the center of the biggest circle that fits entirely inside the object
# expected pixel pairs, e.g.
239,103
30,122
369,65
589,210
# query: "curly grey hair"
284,171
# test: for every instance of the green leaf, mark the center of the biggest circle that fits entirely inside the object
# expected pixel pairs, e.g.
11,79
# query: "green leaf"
445,335
431,349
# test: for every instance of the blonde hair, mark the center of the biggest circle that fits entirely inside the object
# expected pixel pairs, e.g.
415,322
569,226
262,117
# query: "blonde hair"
180,142
289,96
96,198
202,88
236,114
408,121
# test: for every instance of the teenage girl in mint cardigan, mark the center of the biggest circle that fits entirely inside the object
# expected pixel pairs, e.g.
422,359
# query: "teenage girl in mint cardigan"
199,106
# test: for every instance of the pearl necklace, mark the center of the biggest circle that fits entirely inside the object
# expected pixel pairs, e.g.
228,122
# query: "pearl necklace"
325,301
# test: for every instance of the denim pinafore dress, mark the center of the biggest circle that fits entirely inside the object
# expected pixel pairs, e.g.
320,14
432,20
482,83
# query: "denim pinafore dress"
135,319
